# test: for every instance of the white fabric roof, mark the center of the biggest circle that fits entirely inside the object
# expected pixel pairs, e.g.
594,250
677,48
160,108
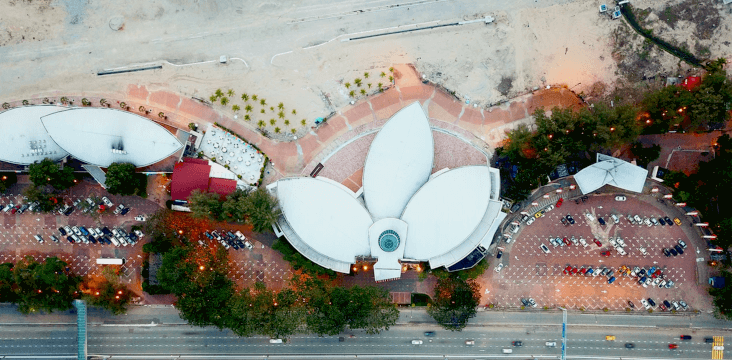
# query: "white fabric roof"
399,162
24,140
446,210
90,135
326,217
611,171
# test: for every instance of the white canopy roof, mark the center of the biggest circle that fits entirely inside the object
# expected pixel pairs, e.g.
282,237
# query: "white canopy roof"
326,217
23,139
444,212
101,136
399,162
611,171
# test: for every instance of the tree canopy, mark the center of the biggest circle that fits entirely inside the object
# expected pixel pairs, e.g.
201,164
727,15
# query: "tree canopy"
47,172
257,208
45,286
123,180
456,301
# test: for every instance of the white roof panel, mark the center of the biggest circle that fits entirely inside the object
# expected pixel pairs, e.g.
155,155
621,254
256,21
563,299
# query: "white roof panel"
102,136
24,140
325,217
611,171
446,211
399,162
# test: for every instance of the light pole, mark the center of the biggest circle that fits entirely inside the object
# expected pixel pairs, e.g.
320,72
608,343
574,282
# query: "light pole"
564,333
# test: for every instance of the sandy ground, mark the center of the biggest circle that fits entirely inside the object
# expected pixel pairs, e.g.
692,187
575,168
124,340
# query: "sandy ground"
570,43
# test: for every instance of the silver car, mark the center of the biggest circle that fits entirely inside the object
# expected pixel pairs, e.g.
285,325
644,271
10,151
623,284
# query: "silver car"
637,219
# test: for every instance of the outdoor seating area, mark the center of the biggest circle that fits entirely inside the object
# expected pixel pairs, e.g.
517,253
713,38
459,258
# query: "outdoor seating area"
233,153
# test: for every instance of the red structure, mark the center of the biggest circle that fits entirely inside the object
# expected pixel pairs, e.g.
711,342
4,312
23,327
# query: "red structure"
192,174
691,82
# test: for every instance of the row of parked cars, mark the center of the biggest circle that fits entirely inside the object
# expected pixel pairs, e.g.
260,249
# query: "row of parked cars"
675,250
19,208
591,271
653,221
83,235
663,305
228,239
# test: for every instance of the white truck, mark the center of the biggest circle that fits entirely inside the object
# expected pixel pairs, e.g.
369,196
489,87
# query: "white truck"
110,261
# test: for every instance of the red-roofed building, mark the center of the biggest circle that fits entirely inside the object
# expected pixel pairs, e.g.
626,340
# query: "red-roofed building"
691,82
192,174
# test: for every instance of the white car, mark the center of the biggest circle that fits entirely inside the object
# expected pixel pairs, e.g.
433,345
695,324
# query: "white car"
140,218
530,221
682,243
550,207
544,249
615,218
551,344
637,219
574,241
662,284
532,302
648,222
499,267
621,242
645,304
139,234
589,216
76,230
620,198
621,251
613,242
119,209
416,342
106,201
655,282
583,242
643,250
648,282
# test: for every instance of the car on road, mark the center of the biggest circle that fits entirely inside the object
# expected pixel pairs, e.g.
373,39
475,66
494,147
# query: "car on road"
469,342
544,249
682,243
673,346
429,333
517,343
685,337
570,219
679,249
559,203
498,268
677,221
416,342
551,344
709,340
610,337
661,221
629,345
597,242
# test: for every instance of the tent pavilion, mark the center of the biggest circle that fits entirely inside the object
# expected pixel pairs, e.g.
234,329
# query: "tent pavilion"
611,171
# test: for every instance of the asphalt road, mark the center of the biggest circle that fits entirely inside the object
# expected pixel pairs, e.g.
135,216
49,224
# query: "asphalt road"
148,332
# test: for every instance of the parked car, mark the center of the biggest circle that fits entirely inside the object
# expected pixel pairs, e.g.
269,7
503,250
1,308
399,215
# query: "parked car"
140,218
566,241
532,302
118,209
574,241
661,221
673,251
651,302
645,304
620,251
583,242
559,203
107,202
654,221
601,220
62,231
637,219
648,222
570,219
666,252
679,249
630,303
615,218
498,268
611,280
682,243
668,221
620,198
597,242
525,302
605,253
544,249
564,221
677,221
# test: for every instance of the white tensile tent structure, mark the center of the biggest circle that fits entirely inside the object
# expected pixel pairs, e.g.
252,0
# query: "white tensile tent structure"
611,171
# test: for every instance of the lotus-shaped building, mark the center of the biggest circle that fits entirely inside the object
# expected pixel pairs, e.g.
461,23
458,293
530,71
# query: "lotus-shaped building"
403,213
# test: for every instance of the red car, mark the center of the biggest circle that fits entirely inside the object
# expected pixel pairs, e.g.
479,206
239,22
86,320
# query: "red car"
605,253
574,270
583,271
568,270
673,346
559,203
566,241
656,274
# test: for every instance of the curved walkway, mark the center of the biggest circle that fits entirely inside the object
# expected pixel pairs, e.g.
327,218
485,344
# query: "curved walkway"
484,129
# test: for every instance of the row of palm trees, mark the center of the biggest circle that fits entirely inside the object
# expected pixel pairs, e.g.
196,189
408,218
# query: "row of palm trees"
360,82
223,98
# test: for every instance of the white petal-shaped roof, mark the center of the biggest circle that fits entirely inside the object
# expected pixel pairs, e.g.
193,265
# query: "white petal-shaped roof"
399,162
326,216
96,136
611,171
445,212
24,140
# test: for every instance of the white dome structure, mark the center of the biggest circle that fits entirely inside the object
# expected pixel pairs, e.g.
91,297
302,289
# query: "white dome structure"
408,215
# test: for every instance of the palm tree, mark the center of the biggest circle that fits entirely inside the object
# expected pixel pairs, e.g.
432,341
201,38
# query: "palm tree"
261,111
271,108
358,82
293,130
230,92
272,121
391,69
382,74
294,112
142,108
303,122
280,106
352,93
235,108
245,97
254,97
347,85
287,122
380,85
261,123
363,91
219,93
391,78
366,75
224,100
213,98
263,102
247,118
369,84
248,108
277,130
281,114
103,102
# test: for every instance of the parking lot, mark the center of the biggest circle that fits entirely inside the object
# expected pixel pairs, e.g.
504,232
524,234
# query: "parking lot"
530,272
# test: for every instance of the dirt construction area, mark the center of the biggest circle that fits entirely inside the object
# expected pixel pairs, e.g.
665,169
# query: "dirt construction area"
531,272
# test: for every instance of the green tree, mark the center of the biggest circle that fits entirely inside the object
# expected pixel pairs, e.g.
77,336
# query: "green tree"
44,286
205,204
722,298
7,283
122,179
234,207
46,172
456,301
645,154
261,209
108,292
44,198
245,97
